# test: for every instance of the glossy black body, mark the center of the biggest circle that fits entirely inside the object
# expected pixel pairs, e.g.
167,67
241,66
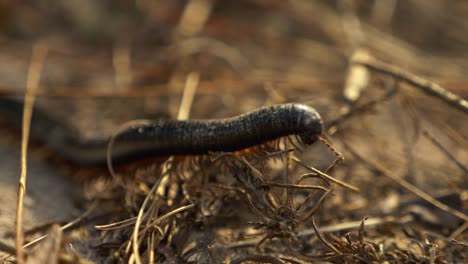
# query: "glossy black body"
173,137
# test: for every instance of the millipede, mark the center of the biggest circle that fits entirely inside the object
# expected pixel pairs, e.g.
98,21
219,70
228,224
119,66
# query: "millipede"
201,137
161,138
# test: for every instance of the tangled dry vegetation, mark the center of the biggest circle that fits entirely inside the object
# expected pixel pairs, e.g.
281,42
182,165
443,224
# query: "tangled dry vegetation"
388,77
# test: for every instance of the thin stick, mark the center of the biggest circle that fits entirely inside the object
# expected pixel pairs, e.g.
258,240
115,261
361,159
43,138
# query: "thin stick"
374,165
39,53
321,238
151,248
138,221
294,186
117,225
171,213
426,86
339,156
326,176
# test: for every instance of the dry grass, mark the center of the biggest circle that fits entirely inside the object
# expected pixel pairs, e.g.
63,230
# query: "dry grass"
396,113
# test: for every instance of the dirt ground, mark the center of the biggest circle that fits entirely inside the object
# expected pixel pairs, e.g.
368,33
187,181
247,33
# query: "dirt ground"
380,73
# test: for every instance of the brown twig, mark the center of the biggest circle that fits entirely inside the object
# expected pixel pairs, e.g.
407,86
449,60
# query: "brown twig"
320,237
426,86
326,176
294,186
141,213
339,157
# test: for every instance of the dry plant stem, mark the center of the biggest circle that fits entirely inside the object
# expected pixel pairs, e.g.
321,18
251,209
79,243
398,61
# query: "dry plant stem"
171,213
289,201
294,186
316,207
255,210
374,165
39,53
117,225
187,98
317,232
310,197
144,215
326,176
426,86
135,241
339,156
149,247
445,151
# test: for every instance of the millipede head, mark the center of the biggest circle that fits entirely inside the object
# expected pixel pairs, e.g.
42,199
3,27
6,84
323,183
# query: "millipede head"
311,125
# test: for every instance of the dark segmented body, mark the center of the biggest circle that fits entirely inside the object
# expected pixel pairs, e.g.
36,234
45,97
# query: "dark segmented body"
198,137
172,137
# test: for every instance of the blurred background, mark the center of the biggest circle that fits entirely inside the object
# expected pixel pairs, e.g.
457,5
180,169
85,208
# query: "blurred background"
108,62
